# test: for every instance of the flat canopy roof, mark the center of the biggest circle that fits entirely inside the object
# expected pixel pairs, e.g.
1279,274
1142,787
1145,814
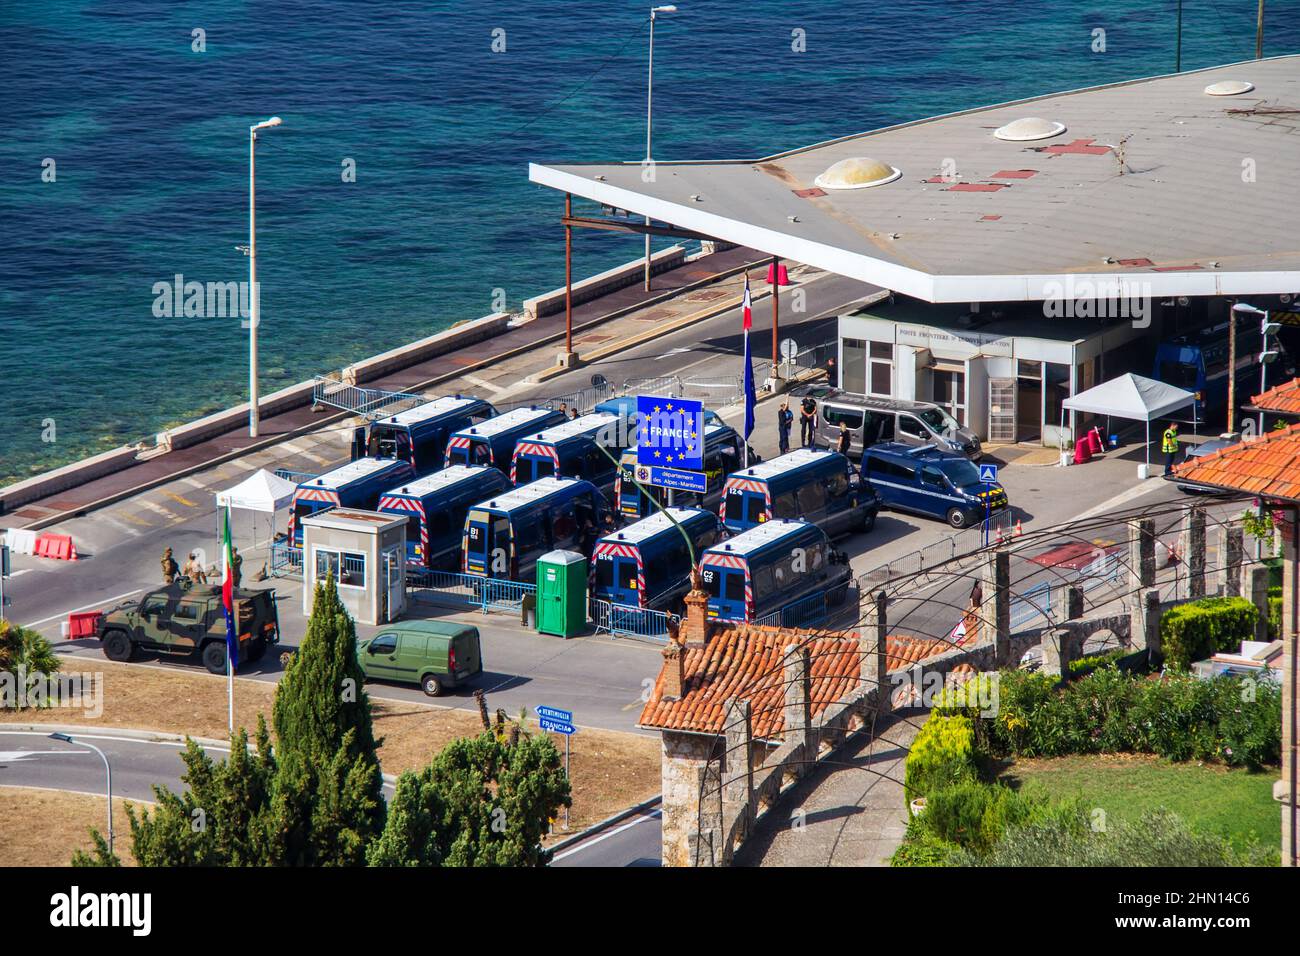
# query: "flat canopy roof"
1201,207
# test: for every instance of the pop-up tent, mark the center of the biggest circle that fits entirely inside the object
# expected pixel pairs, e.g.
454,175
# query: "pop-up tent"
1130,396
261,493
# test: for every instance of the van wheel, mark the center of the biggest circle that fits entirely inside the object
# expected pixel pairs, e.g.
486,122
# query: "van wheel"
867,523
431,685
957,518
214,657
118,647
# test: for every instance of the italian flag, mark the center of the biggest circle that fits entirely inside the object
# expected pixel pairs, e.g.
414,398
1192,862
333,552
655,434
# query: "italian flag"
228,591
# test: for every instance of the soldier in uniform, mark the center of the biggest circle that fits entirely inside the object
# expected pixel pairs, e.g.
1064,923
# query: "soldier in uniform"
169,567
236,564
194,571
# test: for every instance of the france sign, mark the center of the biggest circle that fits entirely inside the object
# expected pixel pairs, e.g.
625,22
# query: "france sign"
670,432
673,478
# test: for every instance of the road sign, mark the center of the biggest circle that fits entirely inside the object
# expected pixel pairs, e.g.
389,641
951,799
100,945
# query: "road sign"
670,431
558,727
789,349
554,713
989,474
673,478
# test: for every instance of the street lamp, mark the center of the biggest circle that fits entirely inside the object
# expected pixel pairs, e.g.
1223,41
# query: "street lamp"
253,416
649,103
1266,355
65,738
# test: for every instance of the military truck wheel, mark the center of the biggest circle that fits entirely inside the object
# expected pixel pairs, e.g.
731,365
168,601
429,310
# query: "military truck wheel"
214,657
256,649
117,646
431,685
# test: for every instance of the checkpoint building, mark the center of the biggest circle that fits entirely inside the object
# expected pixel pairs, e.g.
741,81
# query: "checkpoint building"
1031,249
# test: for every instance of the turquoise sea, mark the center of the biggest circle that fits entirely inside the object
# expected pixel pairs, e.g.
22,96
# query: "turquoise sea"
149,142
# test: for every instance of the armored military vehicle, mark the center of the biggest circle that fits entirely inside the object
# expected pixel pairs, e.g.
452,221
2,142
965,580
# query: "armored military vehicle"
187,620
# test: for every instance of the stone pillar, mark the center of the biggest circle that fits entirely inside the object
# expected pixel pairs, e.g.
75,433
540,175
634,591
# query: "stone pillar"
1144,626
1058,650
995,613
798,704
674,682
1231,554
1069,604
1141,553
1194,550
706,841
681,759
873,653
1257,591
738,766
1286,789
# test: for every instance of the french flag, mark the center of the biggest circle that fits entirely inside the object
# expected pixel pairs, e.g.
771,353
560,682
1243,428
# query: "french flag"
747,311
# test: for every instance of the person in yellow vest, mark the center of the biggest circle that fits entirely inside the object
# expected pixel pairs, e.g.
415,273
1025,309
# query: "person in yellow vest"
1169,445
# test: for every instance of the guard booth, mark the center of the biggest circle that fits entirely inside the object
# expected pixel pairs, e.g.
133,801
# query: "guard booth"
562,593
366,553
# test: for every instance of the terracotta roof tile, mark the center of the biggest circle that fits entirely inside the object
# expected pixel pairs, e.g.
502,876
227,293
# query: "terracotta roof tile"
745,661
1268,466
1283,399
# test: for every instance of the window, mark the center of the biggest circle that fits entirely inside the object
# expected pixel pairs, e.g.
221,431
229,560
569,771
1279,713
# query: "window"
440,525
890,470
879,426
735,586
834,414
1056,389
627,574
949,388
881,379
327,564
763,582
783,506
528,534
711,578
912,427
837,485
931,475
755,509
186,612
152,607
543,468
384,644
354,570
564,521
735,510
854,366
812,497
604,571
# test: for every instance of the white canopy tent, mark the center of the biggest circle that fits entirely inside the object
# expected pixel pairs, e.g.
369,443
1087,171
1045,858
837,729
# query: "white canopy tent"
262,493
1133,397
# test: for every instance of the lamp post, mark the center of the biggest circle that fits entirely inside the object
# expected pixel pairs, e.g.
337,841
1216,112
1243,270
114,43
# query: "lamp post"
1266,355
649,106
253,296
65,738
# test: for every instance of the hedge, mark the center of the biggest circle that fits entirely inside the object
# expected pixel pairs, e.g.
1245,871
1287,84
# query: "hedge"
1195,630
942,754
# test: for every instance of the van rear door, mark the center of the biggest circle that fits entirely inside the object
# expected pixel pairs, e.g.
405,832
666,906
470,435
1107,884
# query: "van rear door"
726,590
478,542
468,654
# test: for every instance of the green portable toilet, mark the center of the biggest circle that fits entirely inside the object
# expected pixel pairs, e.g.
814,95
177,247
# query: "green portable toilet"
562,593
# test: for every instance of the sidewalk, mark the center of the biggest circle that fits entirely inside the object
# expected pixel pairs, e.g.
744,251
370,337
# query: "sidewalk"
514,355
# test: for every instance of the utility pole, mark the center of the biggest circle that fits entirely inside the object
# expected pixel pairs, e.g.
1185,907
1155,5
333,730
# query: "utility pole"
254,305
776,313
1259,32
1178,55
649,105
1232,367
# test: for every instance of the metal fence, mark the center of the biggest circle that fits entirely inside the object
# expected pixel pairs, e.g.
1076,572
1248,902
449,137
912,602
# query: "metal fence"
368,402
960,543
816,610
297,477
1036,602
487,594
286,559
627,621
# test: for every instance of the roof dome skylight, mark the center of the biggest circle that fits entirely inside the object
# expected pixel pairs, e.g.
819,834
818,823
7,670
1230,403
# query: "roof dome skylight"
1229,87
1029,127
857,172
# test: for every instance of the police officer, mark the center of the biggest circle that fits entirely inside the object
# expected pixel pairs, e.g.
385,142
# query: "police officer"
784,422
808,422
169,567
844,439
1169,445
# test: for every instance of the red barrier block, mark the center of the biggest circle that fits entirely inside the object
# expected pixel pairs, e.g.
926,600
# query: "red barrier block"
56,546
83,624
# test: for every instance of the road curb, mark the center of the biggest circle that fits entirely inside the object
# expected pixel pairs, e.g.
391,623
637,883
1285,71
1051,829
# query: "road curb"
131,733
605,824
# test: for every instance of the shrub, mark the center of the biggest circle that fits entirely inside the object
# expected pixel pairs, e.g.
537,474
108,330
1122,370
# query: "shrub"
1086,665
942,754
922,848
1022,696
1274,613
974,815
1195,630
1248,719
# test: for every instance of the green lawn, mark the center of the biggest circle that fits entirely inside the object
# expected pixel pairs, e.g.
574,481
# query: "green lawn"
1231,803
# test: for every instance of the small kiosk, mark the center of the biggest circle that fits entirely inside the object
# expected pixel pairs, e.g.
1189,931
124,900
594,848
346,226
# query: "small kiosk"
366,553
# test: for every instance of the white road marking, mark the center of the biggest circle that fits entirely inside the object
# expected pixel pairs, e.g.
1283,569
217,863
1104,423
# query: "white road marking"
677,351
157,509
84,607
653,815
484,383
19,572
179,744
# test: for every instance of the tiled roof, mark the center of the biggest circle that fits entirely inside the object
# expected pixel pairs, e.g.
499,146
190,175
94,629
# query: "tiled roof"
745,661
1268,466
1283,399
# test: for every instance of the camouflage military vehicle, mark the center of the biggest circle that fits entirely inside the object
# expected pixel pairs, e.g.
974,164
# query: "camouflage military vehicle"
187,620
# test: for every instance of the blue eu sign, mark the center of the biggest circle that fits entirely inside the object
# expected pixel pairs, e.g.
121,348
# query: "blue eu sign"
670,432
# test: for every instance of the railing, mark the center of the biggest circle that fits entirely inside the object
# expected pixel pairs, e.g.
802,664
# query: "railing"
812,611
622,619
966,541
368,402
1037,600
488,594
286,559
297,477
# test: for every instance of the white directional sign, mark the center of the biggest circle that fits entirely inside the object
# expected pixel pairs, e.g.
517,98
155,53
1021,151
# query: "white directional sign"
989,474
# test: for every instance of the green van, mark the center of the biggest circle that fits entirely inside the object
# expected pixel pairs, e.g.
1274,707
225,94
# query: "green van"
437,655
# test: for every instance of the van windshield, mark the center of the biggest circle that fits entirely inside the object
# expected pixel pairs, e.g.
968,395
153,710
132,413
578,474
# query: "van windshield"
938,420
960,472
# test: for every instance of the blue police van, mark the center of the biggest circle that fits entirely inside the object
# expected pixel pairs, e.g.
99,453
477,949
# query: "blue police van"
504,535
818,486
419,435
647,564
573,449
930,482
435,507
724,452
780,565
493,441
358,484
